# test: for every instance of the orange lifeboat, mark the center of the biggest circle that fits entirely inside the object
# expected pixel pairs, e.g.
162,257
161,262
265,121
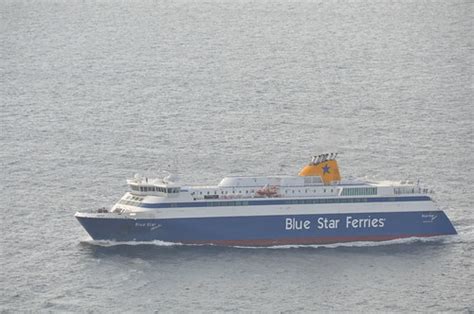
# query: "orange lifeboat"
268,191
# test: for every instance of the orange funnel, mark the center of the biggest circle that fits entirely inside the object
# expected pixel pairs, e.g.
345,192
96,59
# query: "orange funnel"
327,170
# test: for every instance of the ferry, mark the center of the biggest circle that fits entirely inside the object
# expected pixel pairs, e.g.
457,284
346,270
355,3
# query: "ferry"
314,207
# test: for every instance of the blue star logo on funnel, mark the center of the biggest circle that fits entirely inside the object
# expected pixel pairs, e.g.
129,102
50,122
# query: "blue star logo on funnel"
326,169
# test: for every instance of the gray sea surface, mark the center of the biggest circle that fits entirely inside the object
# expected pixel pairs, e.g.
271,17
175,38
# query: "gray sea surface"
92,92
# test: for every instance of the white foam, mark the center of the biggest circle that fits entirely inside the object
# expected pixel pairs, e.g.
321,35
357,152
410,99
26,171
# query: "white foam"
108,243
442,238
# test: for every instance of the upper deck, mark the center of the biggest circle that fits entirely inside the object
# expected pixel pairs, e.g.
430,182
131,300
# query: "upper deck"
244,187
318,180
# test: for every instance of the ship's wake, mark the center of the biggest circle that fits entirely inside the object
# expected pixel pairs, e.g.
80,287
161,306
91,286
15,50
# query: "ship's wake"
412,240
109,243
442,239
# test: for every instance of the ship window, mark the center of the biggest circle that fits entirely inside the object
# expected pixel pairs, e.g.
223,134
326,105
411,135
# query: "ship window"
207,192
359,191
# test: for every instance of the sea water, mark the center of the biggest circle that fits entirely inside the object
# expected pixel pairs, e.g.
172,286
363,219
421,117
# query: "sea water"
92,92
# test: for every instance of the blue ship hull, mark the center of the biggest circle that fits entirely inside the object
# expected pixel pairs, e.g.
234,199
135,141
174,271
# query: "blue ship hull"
272,230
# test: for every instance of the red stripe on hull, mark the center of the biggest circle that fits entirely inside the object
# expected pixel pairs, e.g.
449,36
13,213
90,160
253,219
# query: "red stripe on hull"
307,241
